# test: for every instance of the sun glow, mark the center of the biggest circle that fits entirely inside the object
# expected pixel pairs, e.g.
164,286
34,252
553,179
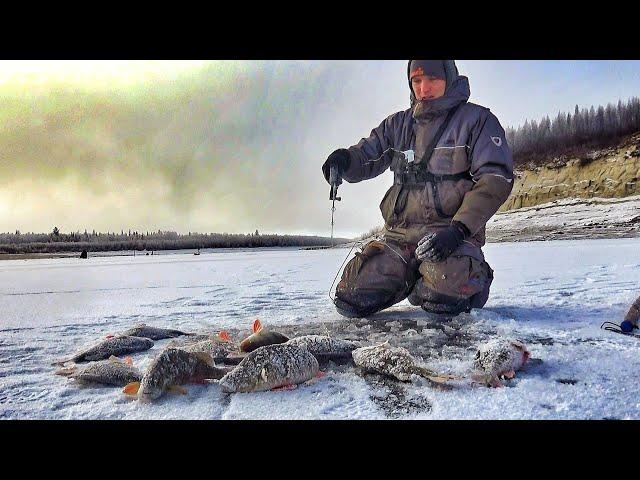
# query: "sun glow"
91,73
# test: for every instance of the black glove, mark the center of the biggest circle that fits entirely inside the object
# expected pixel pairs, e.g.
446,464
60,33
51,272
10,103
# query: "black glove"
436,247
340,158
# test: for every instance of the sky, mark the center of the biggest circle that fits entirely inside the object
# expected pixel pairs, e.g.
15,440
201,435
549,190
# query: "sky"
231,146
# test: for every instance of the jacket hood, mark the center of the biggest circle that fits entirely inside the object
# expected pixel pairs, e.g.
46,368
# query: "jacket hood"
450,70
457,91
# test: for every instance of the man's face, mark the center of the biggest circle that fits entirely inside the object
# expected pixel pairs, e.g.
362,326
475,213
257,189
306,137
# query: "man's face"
428,88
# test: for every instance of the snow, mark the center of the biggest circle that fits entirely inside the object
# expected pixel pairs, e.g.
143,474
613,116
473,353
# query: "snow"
575,218
552,295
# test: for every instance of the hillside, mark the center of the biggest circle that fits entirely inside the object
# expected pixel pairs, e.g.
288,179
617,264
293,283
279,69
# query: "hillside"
607,173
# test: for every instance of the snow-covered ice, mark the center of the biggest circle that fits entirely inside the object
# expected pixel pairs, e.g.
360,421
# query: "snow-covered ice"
553,295
568,218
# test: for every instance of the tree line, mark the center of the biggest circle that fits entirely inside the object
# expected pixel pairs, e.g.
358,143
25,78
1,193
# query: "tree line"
568,133
57,241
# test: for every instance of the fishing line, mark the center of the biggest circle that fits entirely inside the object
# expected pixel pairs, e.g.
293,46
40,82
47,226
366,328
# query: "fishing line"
361,242
408,154
399,255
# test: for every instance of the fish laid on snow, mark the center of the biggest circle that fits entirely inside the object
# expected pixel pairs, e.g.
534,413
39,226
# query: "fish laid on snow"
154,333
499,358
114,346
261,337
324,347
218,346
170,369
396,362
115,372
270,367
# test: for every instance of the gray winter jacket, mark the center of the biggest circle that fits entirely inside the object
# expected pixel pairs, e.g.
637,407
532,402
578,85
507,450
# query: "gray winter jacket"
473,142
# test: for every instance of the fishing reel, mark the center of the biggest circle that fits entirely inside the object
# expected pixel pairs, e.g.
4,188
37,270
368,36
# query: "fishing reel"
335,180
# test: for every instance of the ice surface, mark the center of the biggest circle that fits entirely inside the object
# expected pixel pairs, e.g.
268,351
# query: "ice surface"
553,295
575,218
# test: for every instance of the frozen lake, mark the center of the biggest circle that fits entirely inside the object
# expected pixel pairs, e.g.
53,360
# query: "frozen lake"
554,295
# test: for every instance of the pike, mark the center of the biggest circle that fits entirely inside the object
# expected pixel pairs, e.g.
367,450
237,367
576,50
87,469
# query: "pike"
116,346
261,337
114,372
499,358
171,369
395,362
154,333
271,367
323,347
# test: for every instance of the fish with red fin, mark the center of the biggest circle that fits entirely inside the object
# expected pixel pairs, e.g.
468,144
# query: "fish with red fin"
261,337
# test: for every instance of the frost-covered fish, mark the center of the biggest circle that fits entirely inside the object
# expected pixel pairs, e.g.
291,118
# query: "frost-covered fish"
396,362
115,372
324,347
270,367
261,337
170,369
114,346
154,333
218,346
499,358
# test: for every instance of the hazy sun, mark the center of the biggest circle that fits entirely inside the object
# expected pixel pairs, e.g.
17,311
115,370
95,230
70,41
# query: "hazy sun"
95,73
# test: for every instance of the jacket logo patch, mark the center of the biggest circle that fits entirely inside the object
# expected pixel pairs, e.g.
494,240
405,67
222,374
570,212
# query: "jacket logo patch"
497,141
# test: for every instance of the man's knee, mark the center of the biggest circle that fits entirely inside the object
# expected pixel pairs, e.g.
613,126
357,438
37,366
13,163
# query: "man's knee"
452,287
359,306
434,302
375,279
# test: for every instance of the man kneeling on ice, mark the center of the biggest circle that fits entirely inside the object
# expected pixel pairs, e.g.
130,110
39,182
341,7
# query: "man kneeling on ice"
452,171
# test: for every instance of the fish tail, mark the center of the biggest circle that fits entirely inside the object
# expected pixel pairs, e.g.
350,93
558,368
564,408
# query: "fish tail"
177,389
485,379
67,372
434,376
131,389
60,363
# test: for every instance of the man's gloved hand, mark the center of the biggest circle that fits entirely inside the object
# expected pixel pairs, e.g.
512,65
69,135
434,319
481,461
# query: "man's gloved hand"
436,247
340,158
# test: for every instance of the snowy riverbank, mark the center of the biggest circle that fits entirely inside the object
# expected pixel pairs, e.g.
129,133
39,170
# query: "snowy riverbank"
573,218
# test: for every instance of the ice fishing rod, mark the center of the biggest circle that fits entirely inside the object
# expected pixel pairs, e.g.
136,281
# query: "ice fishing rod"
335,179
